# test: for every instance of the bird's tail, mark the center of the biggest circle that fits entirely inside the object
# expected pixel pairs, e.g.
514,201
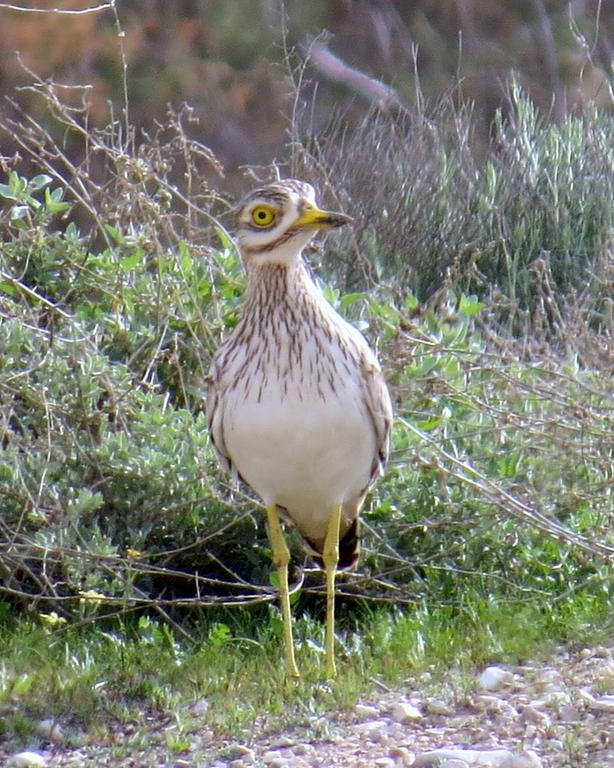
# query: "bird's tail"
349,548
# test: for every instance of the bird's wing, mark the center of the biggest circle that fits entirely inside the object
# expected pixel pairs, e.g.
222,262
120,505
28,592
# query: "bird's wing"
379,406
215,417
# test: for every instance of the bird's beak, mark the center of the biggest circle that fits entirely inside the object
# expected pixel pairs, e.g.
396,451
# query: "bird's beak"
315,218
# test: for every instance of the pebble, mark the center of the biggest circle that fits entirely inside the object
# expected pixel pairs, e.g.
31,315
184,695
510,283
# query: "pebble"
370,727
50,729
557,699
530,714
283,741
241,751
549,681
528,759
438,707
454,763
276,762
494,678
27,760
365,710
568,714
402,755
494,705
404,712
493,758
482,758
602,704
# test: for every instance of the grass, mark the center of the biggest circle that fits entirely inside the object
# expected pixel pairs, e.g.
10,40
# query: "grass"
95,681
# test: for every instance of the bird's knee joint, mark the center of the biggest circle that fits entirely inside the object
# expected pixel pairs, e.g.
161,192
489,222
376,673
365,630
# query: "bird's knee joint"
281,559
330,557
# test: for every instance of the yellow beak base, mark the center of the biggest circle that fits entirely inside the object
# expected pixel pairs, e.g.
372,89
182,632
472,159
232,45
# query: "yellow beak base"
316,218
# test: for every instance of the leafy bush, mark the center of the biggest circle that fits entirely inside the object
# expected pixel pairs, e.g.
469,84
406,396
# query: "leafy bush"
530,224
116,284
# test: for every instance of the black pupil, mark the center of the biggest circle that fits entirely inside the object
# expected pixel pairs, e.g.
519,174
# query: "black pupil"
261,215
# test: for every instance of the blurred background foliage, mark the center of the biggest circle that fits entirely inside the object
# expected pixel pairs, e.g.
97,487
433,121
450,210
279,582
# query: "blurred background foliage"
227,59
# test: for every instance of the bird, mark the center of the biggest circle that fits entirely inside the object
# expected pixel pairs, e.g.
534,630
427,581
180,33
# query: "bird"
297,405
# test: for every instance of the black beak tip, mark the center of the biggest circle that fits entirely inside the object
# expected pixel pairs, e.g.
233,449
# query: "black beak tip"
339,219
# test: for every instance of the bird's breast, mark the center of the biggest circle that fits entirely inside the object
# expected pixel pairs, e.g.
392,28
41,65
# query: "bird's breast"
297,429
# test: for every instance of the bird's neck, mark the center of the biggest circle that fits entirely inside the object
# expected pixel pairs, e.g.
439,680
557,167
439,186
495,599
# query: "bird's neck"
277,282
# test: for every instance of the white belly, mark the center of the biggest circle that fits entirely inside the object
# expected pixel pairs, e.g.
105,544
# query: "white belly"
306,453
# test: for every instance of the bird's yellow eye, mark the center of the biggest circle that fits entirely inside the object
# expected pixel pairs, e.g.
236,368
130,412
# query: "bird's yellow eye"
263,216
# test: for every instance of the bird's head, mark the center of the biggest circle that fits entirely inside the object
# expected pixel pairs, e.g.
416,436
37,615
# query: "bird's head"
276,221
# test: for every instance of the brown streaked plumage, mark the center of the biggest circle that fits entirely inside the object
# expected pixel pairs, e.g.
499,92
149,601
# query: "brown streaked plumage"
298,407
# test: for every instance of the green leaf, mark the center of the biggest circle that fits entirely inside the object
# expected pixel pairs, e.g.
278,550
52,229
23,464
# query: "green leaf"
19,212
186,262
40,181
130,262
226,241
52,201
410,302
427,426
22,684
351,298
469,305
6,192
6,471
9,289
219,634
114,233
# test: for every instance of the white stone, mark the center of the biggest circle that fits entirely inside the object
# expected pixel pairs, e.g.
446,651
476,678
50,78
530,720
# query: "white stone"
558,699
27,760
50,729
438,707
568,714
454,763
495,705
549,680
530,714
283,741
365,710
494,678
602,704
278,762
403,755
244,752
404,712
369,726
527,759
384,762
491,758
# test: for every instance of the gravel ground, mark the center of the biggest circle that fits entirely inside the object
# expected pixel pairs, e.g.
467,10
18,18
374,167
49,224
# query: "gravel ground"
557,714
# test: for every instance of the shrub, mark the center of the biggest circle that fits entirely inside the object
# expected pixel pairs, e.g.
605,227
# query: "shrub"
115,286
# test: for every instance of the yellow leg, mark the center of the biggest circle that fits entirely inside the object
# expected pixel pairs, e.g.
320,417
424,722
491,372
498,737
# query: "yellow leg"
330,556
281,558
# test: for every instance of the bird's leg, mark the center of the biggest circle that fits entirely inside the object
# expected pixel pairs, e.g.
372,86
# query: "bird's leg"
330,556
281,558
